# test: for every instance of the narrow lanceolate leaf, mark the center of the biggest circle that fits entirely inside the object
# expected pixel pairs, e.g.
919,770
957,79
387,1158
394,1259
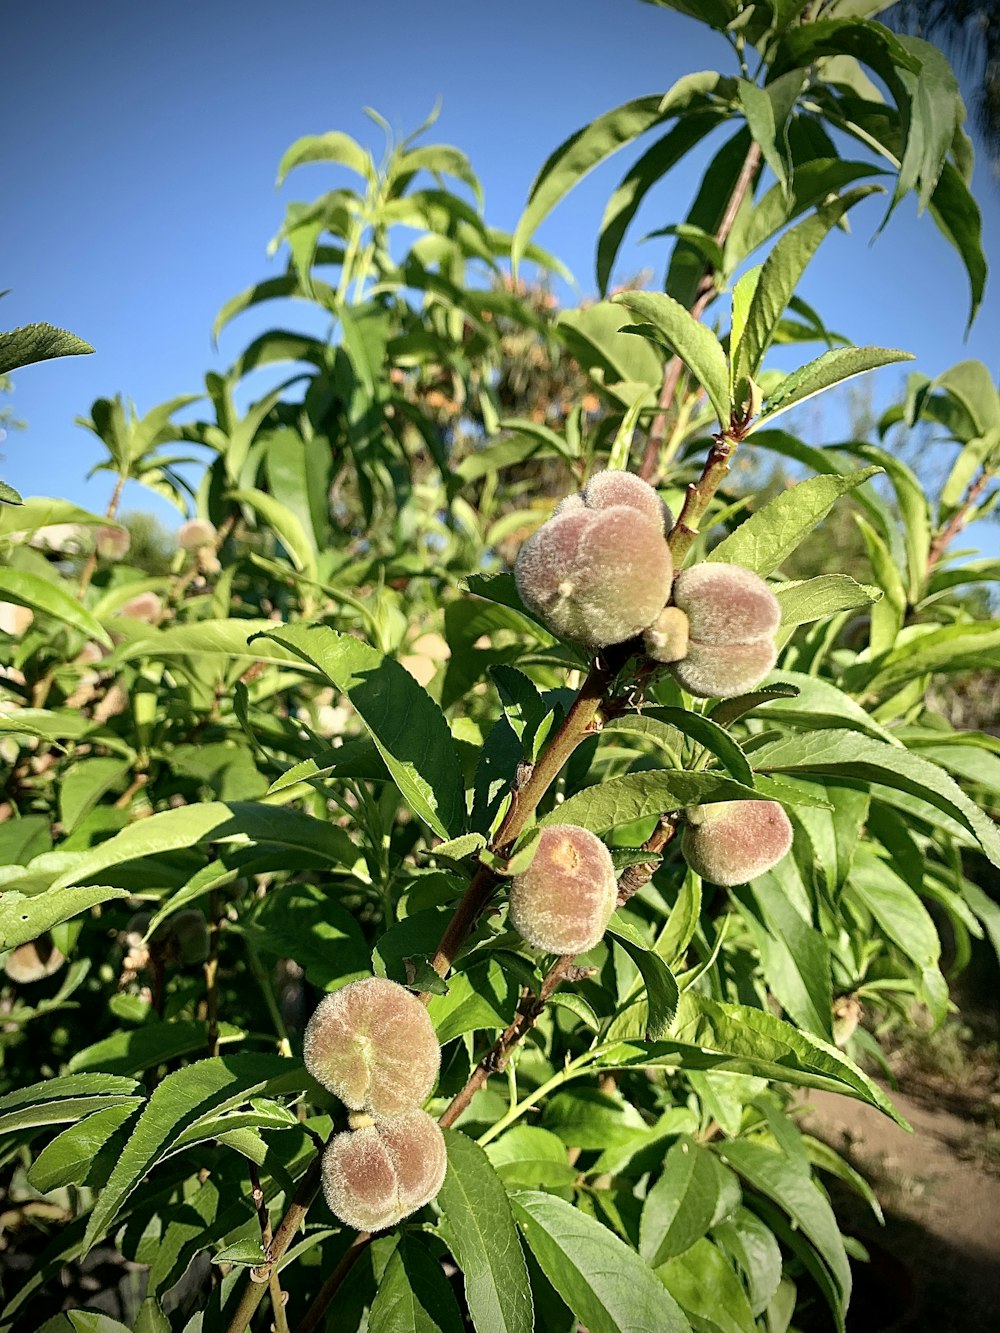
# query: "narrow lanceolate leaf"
24,917
967,647
50,599
636,795
9,496
681,1204
780,276
832,368
62,1099
695,344
771,535
38,342
180,1100
849,754
805,600
735,1038
169,830
602,1280
583,151
334,147
414,1295
405,723
478,1227
662,993
789,1184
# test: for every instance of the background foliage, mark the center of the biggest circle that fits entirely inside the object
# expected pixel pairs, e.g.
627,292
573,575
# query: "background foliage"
303,748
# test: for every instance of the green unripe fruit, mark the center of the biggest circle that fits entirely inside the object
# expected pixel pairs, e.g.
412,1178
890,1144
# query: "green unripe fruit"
373,1045
732,842
375,1176
599,573
733,617
563,902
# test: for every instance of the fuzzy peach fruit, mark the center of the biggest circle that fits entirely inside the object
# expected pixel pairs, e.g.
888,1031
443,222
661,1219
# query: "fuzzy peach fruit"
732,842
373,1045
563,902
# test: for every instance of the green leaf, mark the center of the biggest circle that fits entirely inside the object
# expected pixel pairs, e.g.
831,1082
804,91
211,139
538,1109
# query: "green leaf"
528,1157
770,535
9,496
484,997
306,923
64,1098
133,1050
753,1246
661,987
780,276
83,785
709,1034
681,1204
25,917
706,1286
334,146
38,342
825,595
51,599
787,1181
67,1159
690,339
795,956
169,830
905,920
633,796
580,153
404,721
624,203
478,1227
286,525
413,1294
760,107
834,367
851,755
181,1099
604,1282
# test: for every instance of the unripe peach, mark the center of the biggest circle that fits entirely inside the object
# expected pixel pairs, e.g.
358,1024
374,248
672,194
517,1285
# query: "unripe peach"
596,575
563,902
733,617
375,1176
606,489
373,1045
112,543
668,637
195,533
732,842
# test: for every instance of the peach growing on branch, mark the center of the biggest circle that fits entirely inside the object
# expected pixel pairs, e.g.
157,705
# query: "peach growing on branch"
599,570
563,901
731,842
373,1045
733,617
376,1175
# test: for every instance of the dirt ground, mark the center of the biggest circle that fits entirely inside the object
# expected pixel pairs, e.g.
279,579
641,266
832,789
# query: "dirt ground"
935,1266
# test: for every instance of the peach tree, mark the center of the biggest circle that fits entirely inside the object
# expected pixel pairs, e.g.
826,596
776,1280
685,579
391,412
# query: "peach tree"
422,903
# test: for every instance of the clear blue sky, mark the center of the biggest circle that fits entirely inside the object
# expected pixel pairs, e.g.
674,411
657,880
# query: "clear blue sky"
140,153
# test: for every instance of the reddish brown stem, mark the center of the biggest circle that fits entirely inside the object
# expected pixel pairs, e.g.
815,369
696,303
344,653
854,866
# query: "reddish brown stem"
580,721
333,1283
90,567
707,291
957,521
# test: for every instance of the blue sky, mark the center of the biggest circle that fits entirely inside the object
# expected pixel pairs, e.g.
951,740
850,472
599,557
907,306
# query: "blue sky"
141,149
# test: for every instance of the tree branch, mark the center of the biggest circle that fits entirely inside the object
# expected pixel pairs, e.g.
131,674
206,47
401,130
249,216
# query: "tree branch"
707,291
